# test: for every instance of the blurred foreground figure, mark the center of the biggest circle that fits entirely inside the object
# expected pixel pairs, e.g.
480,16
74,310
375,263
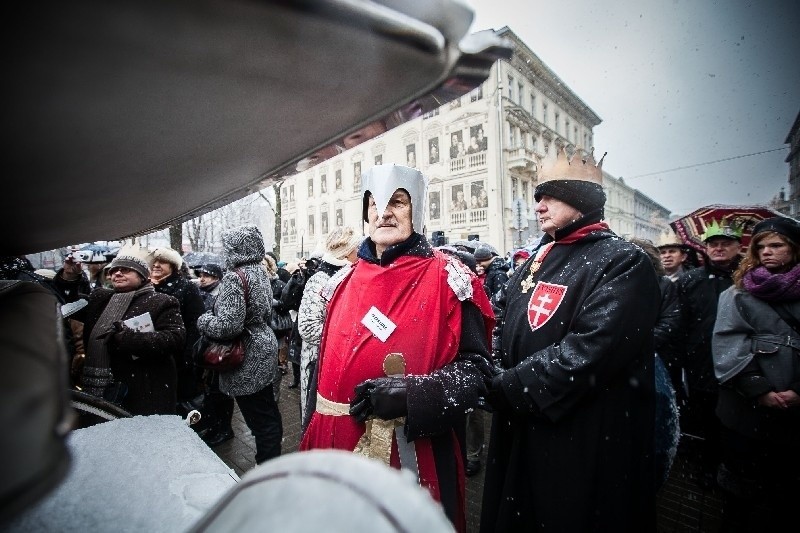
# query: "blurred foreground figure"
405,348
571,447
33,390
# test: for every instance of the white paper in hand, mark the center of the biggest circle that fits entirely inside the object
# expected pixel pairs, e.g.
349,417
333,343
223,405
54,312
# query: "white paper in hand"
141,323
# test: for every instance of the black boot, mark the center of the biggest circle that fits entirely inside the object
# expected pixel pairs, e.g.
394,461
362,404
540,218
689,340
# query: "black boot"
222,408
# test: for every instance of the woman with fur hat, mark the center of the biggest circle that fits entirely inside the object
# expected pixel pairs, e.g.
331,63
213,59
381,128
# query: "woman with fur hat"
341,248
237,312
166,276
138,366
756,350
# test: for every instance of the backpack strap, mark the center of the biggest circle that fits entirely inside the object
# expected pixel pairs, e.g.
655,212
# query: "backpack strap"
244,285
786,316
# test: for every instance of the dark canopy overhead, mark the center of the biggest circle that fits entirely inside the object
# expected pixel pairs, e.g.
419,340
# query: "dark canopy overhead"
123,117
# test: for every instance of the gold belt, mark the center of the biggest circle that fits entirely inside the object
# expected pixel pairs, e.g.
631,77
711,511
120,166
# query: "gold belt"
328,407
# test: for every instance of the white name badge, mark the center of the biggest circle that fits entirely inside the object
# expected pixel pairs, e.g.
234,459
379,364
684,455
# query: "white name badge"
378,323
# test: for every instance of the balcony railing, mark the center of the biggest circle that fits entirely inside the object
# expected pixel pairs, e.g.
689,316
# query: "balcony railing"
468,217
469,162
521,157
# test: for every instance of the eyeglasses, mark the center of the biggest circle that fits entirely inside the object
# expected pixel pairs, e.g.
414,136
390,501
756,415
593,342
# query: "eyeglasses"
121,270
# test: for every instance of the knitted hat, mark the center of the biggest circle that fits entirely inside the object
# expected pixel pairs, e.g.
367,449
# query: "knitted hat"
483,253
130,261
785,226
168,255
341,242
577,181
209,268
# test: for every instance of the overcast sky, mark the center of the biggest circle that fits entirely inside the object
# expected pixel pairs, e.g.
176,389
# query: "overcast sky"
677,83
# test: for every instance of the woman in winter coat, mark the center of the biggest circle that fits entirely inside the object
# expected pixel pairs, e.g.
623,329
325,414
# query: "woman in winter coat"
136,366
166,276
341,248
236,313
756,348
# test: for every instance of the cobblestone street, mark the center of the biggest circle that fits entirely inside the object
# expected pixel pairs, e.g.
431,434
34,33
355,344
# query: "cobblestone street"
683,506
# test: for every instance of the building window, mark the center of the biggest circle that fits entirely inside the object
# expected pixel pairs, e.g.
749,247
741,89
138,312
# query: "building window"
291,193
459,203
457,148
433,150
434,205
566,129
324,222
411,155
533,105
510,136
545,113
476,94
575,134
511,88
379,159
311,187
323,184
557,122
357,176
477,140
478,198
514,187
310,225
520,91
338,180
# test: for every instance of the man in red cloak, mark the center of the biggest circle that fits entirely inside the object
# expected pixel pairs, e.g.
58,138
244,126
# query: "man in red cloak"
405,346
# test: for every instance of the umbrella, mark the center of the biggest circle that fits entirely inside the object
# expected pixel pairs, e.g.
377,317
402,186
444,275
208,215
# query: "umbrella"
690,228
471,246
195,259
96,252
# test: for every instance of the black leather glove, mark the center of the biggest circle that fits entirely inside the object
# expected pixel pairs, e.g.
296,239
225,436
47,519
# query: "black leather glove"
496,396
383,398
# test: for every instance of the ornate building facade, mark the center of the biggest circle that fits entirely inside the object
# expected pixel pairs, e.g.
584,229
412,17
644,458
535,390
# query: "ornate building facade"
480,152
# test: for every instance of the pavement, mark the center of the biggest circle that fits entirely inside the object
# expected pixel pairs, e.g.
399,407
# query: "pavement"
683,504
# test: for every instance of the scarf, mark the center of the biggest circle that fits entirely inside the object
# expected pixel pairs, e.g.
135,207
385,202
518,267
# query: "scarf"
764,285
96,370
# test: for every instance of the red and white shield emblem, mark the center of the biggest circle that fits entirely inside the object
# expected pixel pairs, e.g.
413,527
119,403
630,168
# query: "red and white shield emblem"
544,301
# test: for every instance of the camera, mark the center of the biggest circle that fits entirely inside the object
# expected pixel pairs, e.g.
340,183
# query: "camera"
79,256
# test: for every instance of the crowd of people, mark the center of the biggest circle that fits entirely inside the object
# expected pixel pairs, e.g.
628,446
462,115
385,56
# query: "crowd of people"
586,357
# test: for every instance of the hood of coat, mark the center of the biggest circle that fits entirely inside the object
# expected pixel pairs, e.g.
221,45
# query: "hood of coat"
243,245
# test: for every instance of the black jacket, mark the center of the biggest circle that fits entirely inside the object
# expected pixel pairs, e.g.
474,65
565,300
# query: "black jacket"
574,449
191,307
496,277
699,291
668,332
145,362
71,290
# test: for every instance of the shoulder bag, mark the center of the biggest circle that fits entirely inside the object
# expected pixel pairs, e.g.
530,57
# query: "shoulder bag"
219,355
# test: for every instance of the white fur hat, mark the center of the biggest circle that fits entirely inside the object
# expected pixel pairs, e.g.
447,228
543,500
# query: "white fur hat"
168,255
341,242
